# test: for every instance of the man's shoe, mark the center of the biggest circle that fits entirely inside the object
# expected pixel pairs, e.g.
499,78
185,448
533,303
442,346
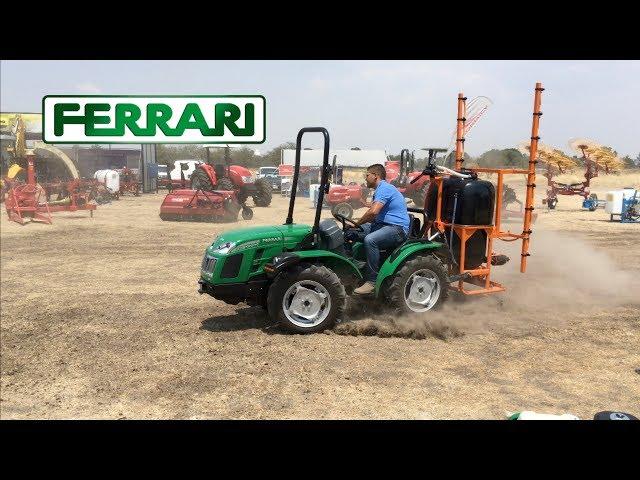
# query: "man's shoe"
366,289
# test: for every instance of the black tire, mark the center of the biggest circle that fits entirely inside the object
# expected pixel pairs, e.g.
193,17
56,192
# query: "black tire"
242,195
232,209
200,180
594,199
247,213
551,203
343,209
225,184
304,271
399,283
264,192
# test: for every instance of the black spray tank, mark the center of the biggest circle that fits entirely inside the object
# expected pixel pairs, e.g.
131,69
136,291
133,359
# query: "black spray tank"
473,202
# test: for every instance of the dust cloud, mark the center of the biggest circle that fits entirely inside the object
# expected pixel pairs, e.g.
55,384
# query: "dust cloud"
565,275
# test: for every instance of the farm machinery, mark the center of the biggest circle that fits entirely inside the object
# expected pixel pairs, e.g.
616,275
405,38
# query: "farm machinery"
129,182
218,193
227,177
343,199
29,199
406,173
302,274
624,203
307,176
595,157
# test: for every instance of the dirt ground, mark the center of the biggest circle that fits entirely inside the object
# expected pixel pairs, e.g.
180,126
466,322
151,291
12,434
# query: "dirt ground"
101,319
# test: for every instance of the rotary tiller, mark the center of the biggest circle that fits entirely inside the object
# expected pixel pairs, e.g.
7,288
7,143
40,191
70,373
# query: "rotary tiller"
202,206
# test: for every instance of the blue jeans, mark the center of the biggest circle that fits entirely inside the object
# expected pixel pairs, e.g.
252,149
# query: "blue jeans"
376,237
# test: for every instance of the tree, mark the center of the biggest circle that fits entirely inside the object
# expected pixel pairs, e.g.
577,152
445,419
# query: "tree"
167,154
272,157
638,161
450,160
508,157
628,162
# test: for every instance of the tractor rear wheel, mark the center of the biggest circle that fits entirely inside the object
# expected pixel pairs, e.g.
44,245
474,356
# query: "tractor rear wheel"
200,180
306,298
262,197
420,285
225,184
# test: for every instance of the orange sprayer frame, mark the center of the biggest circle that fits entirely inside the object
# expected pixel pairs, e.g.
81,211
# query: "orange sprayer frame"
481,276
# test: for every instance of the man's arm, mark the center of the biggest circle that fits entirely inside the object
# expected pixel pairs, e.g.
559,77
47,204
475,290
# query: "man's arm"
370,214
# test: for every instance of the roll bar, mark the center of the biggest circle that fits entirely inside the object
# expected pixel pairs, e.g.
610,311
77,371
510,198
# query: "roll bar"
324,178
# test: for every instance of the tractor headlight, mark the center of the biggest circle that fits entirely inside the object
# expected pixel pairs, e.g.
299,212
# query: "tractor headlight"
247,179
224,248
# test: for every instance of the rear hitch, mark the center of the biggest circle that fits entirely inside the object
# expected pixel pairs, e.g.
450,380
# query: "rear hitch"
461,276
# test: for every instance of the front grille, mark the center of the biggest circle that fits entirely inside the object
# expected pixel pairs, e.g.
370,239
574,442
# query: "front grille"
231,266
208,264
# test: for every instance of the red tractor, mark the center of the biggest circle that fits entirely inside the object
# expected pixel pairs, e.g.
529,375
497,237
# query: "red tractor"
401,174
343,199
226,177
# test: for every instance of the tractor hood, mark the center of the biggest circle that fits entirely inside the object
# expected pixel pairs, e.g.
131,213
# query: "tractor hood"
234,241
242,171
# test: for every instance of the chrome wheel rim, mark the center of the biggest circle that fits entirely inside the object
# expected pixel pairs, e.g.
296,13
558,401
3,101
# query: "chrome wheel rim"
422,290
306,303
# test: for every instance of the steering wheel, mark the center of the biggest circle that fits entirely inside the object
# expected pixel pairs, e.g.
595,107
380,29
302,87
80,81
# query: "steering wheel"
346,220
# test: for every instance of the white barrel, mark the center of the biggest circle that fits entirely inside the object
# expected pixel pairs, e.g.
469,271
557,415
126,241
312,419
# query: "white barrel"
109,178
614,200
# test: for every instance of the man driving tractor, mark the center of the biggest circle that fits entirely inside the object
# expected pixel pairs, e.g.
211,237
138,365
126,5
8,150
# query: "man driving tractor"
384,226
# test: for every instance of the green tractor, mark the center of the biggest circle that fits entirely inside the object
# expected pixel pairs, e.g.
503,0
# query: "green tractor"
302,274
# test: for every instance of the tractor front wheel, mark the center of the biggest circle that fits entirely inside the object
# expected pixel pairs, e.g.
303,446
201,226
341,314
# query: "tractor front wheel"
306,298
264,192
420,285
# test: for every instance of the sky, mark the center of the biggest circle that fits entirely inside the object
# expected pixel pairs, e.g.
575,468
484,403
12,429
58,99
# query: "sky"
386,105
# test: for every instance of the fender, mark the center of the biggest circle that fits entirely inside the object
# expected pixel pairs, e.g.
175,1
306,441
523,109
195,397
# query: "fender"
287,259
399,255
209,170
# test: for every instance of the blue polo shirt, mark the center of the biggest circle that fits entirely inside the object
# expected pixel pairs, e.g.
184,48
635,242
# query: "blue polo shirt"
394,211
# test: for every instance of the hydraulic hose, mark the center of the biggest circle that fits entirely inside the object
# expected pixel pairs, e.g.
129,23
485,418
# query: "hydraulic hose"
453,173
